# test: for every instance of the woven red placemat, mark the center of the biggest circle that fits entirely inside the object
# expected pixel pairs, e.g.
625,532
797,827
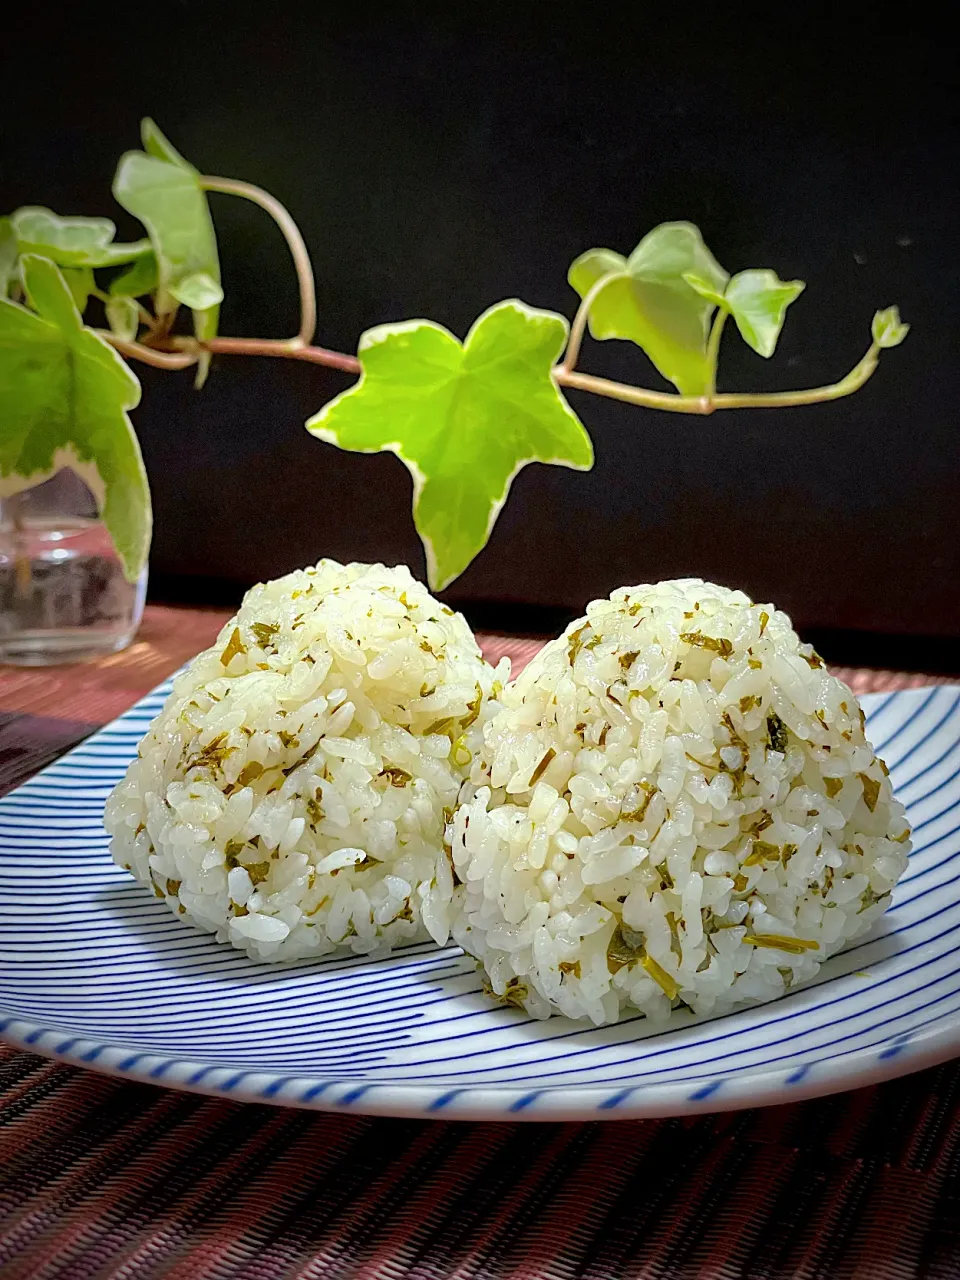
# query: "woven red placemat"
102,1180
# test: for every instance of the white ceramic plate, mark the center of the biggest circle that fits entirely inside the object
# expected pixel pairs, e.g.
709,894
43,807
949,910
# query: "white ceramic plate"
95,971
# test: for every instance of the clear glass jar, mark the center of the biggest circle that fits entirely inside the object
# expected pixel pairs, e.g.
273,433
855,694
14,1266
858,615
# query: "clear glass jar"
63,596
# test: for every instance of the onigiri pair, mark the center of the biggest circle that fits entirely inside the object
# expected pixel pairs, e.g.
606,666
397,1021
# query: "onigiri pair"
674,803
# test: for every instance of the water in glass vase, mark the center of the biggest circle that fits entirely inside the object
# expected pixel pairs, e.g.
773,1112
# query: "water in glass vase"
63,596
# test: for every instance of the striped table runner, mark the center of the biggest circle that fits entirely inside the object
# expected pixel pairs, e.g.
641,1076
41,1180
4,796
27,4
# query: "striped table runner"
102,1179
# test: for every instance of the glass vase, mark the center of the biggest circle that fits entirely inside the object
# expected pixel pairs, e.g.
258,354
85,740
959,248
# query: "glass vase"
63,595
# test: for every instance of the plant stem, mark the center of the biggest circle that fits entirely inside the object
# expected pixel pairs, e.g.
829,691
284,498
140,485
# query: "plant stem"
713,351
295,242
267,347
705,404
853,381
630,395
149,355
665,400
186,350
578,328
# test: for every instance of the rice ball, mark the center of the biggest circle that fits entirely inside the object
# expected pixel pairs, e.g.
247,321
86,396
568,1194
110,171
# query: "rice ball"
676,805
292,794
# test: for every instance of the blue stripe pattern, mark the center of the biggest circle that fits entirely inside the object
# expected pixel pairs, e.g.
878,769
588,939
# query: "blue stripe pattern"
95,971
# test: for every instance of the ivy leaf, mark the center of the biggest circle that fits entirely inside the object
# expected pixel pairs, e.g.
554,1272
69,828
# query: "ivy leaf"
73,242
647,300
166,194
138,280
171,204
9,252
463,417
758,301
81,284
64,396
123,317
888,329
199,292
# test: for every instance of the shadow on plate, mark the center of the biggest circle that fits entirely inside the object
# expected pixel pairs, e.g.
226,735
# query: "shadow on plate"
176,951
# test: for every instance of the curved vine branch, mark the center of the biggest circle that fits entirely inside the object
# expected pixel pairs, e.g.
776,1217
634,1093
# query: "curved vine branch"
149,355
298,251
578,328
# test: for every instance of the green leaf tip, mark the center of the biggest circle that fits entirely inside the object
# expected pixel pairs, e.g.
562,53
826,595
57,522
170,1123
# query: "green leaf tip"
49,294
159,145
888,329
463,417
64,401
757,299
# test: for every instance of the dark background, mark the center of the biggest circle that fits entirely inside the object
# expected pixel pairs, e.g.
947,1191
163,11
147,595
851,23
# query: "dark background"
437,166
